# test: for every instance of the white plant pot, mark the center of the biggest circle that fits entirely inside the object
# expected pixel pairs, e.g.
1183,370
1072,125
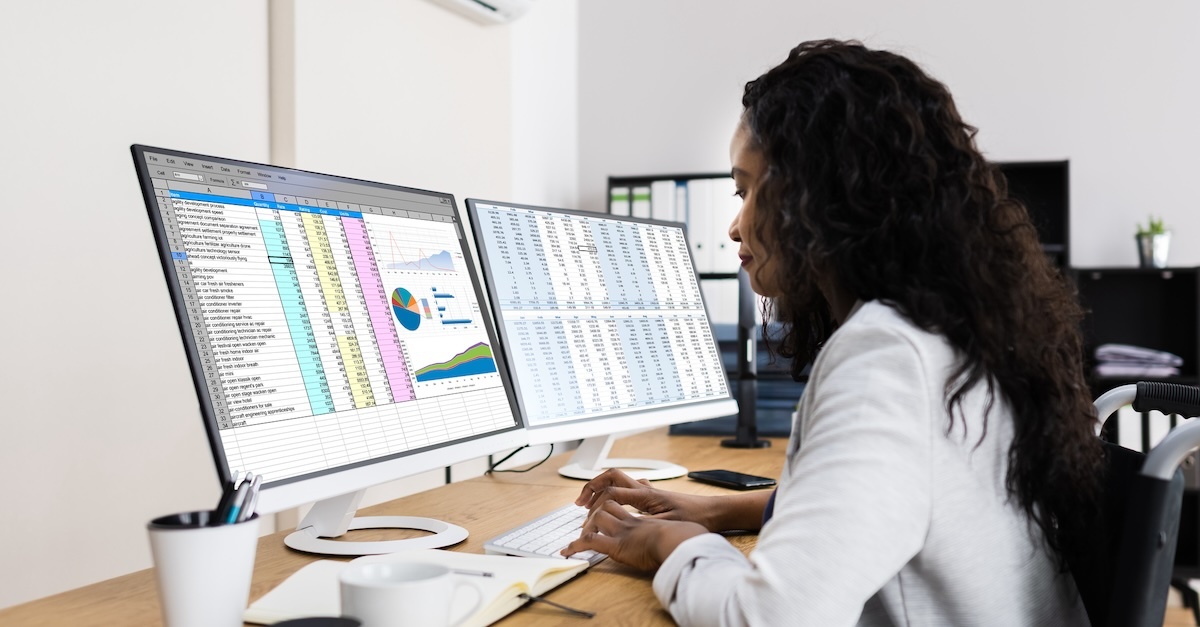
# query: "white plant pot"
1153,249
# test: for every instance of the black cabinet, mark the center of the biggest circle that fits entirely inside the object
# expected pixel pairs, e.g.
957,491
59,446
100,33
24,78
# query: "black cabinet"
1150,307
1044,188
1158,309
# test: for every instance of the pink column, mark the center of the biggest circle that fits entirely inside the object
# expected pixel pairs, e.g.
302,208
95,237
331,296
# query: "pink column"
379,310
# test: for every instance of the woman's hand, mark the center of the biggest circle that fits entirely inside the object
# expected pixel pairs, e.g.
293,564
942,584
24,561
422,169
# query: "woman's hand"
642,542
714,513
614,485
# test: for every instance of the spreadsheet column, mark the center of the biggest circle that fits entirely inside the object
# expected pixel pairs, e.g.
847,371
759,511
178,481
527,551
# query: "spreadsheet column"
383,426
562,276
316,336
333,303
315,271
358,347
365,258
287,283
634,263
235,290
385,370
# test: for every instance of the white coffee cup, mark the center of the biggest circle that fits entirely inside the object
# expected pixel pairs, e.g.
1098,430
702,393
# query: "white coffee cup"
203,570
403,594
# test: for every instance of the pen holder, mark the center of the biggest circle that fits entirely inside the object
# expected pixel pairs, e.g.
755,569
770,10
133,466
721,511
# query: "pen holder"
203,572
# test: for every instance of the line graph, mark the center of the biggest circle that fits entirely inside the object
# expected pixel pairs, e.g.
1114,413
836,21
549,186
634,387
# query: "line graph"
415,256
416,246
437,262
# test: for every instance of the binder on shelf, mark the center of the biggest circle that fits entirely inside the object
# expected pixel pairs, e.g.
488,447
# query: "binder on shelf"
640,207
681,201
662,200
721,300
725,206
618,201
700,223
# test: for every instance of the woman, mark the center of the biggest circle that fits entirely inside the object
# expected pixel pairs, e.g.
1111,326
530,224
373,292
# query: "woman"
944,455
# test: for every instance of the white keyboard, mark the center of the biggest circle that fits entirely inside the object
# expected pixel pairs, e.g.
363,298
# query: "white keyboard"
545,536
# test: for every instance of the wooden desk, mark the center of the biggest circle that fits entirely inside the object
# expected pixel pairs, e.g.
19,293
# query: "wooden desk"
485,506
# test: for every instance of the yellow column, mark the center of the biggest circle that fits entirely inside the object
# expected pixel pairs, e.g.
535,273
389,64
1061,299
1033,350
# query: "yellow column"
335,301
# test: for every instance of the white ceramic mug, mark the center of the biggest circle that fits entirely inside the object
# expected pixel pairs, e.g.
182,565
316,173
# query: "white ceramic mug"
203,571
403,594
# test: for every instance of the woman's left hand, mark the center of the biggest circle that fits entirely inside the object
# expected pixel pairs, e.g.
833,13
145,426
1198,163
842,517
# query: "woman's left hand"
642,542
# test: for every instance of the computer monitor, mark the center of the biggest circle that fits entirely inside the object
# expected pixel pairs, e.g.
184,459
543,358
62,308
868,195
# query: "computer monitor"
334,332
603,328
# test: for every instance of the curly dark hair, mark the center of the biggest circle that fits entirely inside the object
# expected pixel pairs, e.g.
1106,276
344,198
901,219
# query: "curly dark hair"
873,178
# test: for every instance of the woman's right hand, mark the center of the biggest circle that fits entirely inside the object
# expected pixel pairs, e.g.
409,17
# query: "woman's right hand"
614,485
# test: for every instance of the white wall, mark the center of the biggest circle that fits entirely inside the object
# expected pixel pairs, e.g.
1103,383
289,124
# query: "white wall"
1110,85
403,92
100,426
545,105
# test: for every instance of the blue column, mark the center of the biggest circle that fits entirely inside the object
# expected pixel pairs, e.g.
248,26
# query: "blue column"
303,341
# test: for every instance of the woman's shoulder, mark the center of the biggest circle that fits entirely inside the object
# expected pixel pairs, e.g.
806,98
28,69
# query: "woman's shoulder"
876,328
878,318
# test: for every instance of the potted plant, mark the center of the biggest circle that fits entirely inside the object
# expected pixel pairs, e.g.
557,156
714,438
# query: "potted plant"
1153,242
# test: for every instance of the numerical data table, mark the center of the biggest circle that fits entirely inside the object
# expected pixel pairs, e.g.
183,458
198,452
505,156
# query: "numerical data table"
601,315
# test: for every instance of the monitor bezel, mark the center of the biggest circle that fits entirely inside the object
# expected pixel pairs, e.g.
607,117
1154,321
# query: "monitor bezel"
635,419
314,486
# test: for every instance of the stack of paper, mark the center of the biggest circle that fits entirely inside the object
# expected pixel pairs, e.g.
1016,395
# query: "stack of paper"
1124,360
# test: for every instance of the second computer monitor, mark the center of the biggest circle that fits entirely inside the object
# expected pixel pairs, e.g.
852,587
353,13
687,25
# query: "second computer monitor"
603,327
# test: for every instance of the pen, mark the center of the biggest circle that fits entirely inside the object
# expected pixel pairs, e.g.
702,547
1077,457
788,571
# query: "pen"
251,499
477,573
221,512
239,500
537,599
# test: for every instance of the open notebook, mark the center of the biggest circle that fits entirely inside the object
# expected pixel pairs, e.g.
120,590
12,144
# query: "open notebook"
314,591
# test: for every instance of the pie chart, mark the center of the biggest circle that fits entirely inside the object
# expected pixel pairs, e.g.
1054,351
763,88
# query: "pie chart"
407,310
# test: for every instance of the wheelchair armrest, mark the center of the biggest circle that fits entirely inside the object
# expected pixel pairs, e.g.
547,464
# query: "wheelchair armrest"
1164,459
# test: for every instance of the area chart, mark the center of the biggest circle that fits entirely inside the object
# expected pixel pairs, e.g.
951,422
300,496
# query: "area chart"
477,359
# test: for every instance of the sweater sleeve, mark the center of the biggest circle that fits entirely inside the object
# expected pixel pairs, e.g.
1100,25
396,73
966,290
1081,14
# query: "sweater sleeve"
851,511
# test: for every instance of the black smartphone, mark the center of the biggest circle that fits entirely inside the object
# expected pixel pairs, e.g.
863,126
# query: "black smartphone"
731,479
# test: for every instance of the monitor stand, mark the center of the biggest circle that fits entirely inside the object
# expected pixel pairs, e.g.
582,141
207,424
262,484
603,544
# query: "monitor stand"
747,370
591,459
333,517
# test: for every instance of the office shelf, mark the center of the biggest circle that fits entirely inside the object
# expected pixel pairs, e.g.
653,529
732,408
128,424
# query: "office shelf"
1150,307
1044,188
